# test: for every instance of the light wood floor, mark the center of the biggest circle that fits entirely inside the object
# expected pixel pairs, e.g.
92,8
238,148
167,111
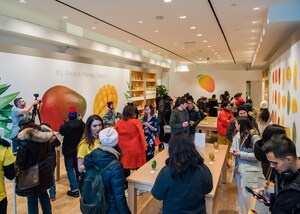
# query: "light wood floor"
225,203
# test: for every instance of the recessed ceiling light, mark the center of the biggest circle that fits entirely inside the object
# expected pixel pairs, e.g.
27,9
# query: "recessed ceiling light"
150,49
216,52
254,22
193,28
94,28
23,1
167,1
204,40
256,8
158,52
182,17
166,55
199,34
156,31
209,46
140,22
252,31
129,41
200,58
65,17
212,50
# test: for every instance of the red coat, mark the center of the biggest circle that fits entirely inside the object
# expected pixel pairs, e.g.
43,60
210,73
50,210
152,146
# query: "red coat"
132,143
223,121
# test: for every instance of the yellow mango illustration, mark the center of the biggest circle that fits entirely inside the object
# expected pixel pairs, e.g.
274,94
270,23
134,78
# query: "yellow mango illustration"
283,101
288,73
288,132
294,105
283,78
295,77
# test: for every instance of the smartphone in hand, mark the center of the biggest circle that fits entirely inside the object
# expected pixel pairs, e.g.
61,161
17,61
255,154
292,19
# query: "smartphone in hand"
258,196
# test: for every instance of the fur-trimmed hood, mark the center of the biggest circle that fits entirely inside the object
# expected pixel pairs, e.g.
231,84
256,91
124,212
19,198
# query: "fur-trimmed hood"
40,134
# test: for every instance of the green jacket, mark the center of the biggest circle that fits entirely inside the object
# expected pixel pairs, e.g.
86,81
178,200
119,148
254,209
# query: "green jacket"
176,121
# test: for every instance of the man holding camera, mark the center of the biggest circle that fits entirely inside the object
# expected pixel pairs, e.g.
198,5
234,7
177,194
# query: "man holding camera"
19,111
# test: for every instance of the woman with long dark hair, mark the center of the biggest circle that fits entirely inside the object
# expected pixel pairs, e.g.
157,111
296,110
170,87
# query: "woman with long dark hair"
246,168
90,139
150,126
184,181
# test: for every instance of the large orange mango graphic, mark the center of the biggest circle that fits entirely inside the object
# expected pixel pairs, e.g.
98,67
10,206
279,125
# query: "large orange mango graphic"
56,103
206,82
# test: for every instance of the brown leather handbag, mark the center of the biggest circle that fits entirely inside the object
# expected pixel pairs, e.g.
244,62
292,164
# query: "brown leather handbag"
28,178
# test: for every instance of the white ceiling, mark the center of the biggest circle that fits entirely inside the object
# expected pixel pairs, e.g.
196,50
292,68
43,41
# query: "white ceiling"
119,19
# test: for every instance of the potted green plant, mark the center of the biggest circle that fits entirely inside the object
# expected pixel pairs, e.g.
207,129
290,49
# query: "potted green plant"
161,89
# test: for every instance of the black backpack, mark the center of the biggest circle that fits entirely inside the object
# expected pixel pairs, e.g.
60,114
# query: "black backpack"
93,197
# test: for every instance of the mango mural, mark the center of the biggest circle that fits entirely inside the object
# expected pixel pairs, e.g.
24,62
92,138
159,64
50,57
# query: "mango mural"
56,103
206,82
107,93
283,92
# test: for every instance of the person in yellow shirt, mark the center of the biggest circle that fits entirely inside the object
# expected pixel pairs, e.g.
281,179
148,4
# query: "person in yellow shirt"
89,142
7,160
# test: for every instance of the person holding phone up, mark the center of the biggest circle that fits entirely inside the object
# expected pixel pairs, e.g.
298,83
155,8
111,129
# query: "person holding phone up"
246,169
281,153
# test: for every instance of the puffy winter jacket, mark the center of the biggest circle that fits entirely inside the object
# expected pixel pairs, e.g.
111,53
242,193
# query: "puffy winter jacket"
113,178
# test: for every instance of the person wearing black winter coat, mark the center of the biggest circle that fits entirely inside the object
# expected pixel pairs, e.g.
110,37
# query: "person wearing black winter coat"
35,139
52,160
113,177
195,117
72,131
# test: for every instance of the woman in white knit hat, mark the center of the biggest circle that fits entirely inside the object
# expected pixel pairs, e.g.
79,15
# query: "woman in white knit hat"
113,177
264,118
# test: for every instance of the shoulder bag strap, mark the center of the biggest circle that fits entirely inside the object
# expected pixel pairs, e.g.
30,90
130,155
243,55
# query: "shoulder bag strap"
108,165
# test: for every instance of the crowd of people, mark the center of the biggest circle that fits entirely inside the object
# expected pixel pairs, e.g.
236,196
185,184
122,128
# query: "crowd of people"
117,144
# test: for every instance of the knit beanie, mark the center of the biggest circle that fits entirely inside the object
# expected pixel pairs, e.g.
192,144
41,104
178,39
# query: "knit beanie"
72,114
242,107
108,137
264,104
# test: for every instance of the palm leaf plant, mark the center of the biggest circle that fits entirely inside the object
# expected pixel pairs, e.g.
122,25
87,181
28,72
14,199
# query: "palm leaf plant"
5,108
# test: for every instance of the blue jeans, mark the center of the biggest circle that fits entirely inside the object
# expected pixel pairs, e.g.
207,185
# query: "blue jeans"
32,203
71,166
52,190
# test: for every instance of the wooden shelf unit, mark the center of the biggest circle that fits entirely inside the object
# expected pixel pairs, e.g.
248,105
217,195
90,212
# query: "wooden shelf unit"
143,90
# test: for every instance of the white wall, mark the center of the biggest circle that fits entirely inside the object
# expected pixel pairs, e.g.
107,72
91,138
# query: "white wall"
231,80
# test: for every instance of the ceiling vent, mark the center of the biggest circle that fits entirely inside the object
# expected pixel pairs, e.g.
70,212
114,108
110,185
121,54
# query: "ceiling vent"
189,45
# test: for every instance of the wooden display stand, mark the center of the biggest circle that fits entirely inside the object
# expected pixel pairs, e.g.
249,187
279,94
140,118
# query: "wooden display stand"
143,90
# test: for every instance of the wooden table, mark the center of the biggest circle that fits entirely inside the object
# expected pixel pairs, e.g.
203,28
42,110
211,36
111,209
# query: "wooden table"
143,178
207,124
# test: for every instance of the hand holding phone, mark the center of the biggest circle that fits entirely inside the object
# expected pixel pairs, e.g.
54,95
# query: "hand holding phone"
255,194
